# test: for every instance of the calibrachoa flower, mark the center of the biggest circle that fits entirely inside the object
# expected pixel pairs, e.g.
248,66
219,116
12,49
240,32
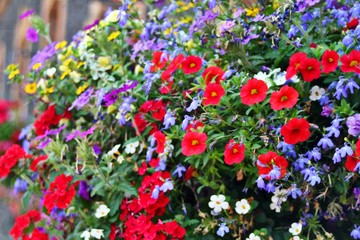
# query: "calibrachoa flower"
329,61
252,236
254,91
131,147
11,157
23,222
193,143
295,228
294,64
310,69
102,211
286,97
351,62
218,203
234,152
222,230
242,206
352,163
353,124
213,94
316,93
296,130
191,64
271,166
213,73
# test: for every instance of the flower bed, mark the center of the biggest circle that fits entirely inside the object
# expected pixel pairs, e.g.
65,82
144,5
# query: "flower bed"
207,120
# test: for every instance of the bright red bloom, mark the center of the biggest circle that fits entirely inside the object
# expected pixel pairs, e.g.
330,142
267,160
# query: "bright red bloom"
194,126
211,73
313,45
213,94
352,163
270,161
353,23
286,97
310,69
49,118
296,130
357,147
254,91
160,140
191,64
234,152
329,61
173,66
166,86
159,61
36,235
36,161
60,193
22,222
11,158
193,143
142,169
5,106
190,172
155,107
294,64
351,62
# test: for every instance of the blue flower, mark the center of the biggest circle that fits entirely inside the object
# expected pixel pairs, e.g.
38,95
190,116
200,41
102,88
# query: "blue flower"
325,143
355,233
155,192
20,185
167,185
179,169
169,119
222,230
260,183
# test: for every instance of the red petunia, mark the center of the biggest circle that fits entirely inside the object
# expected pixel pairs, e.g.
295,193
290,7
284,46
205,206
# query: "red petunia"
357,147
191,64
296,130
353,23
193,143
254,91
329,61
352,163
234,152
160,140
211,73
11,158
286,97
213,94
294,64
271,166
351,62
60,193
310,69
159,61
37,161
23,222
173,66
49,118
36,235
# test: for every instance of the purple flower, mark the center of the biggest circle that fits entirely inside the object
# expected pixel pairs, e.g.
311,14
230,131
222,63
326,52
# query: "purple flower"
314,154
325,143
149,153
169,119
194,105
332,131
44,143
222,230
270,187
353,123
82,100
20,185
111,97
294,191
91,25
228,25
167,185
208,16
25,131
337,156
32,35
347,41
355,233
43,55
311,175
326,111
179,169
155,192
97,149
83,190
260,183
27,14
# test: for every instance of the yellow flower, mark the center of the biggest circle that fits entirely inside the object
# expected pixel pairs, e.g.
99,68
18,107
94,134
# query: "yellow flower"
111,109
104,62
112,17
80,64
48,90
60,45
252,12
11,67
75,76
65,74
113,35
81,89
67,62
30,88
190,44
138,69
14,73
167,31
36,66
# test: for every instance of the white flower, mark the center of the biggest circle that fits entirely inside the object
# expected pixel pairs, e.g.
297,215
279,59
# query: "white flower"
278,198
316,93
97,233
50,72
252,236
295,228
102,211
264,77
112,16
242,206
131,147
217,202
85,234
114,150
296,238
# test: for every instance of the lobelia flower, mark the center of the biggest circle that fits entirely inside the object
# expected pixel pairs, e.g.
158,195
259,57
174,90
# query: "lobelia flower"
234,152
20,186
295,229
193,143
355,233
194,105
213,94
277,199
311,175
286,97
82,100
325,142
217,203
296,130
353,124
169,119
167,185
222,230
242,206
254,91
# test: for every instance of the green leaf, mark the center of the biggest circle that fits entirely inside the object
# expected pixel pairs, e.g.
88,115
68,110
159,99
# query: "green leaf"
26,199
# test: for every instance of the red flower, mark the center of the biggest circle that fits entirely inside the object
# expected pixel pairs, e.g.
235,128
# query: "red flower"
36,161
351,62
211,73
22,222
193,143
194,126
310,69
60,193
161,140
36,235
296,130
271,166
11,158
352,24
234,152
352,163
213,94
191,64
142,169
286,97
159,61
313,45
329,61
190,172
47,119
173,66
294,64
254,91
357,147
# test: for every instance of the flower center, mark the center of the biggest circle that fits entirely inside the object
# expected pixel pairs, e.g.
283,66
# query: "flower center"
213,94
217,202
243,207
309,68
330,60
192,65
194,142
353,63
235,150
254,91
283,98
297,65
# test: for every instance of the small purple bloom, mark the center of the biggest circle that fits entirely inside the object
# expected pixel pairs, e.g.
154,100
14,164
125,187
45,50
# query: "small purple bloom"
167,185
169,119
260,183
222,230
82,100
353,123
96,149
347,41
91,25
27,14
83,190
155,192
325,143
32,35
179,169
186,121
294,191
20,186
194,105
355,233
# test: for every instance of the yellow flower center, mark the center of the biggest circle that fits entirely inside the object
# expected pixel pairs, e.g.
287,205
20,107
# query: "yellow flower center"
330,60
253,91
213,94
283,98
194,142
192,65
235,150
310,68
353,63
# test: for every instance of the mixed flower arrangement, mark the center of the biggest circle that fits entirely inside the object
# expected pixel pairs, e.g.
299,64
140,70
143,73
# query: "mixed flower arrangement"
210,119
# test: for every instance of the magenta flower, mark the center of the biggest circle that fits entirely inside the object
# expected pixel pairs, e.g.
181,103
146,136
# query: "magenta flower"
32,35
27,14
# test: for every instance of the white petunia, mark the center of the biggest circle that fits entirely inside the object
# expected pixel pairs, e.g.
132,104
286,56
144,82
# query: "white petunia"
252,236
114,150
295,228
296,238
97,233
102,211
316,93
131,147
217,202
264,77
242,206
50,72
278,198
85,234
